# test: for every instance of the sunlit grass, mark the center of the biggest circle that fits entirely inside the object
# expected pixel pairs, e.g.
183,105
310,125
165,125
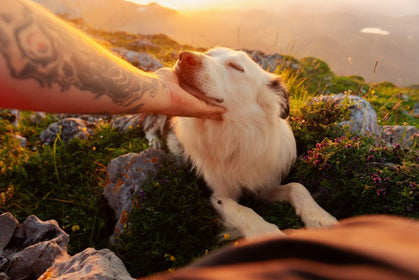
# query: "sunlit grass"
176,224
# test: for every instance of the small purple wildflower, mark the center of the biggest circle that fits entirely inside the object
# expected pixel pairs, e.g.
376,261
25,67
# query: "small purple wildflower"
381,192
376,179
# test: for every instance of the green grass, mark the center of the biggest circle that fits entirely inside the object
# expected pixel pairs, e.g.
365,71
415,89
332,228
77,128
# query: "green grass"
394,105
63,182
174,223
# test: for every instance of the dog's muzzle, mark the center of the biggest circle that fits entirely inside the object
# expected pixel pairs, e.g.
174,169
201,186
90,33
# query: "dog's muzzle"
187,68
189,60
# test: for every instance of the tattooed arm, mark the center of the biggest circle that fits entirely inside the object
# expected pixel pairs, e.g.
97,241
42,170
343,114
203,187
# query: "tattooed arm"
47,65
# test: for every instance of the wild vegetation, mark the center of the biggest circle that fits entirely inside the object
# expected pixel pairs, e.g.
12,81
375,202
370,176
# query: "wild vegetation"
174,224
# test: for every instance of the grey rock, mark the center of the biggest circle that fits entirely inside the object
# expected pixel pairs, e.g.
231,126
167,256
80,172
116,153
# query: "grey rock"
23,141
416,110
142,60
39,249
271,62
126,123
403,135
143,44
152,125
127,174
8,225
363,120
34,260
37,117
68,129
37,231
33,247
13,116
90,264
90,120
16,121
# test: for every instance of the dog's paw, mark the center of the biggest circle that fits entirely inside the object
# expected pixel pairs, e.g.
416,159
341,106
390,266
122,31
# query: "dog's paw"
260,228
242,218
317,217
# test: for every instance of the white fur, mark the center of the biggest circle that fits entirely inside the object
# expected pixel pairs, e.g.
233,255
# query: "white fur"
252,148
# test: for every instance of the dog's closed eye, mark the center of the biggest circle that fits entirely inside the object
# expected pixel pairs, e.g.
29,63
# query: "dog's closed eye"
235,66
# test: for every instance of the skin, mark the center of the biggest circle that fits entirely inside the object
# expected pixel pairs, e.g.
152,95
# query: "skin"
47,65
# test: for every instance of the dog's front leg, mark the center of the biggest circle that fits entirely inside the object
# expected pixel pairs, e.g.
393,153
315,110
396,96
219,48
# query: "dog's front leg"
306,208
242,218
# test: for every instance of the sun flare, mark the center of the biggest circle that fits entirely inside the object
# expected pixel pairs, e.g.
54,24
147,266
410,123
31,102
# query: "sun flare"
186,5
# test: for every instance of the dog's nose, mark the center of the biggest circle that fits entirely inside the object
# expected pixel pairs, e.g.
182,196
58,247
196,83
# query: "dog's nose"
189,58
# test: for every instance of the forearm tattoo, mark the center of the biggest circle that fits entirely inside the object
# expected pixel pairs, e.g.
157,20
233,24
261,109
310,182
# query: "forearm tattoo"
39,48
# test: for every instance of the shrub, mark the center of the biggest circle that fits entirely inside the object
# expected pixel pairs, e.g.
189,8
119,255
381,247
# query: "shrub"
318,120
352,176
172,223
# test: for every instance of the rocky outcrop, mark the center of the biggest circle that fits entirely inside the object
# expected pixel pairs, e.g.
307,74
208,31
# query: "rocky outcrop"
22,140
89,264
68,129
30,248
154,126
271,62
403,135
13,116
142,60
8,226
125,123
363,119
127,175
39,249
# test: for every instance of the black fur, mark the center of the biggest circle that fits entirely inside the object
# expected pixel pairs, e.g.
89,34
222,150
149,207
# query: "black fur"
279,87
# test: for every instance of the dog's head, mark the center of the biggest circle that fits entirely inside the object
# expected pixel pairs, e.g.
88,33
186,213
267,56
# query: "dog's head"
232,79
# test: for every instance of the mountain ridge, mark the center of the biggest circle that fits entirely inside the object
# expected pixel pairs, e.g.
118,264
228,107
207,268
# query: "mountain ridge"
334,37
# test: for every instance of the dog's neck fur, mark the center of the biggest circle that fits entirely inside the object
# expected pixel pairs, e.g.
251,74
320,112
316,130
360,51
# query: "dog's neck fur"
237,150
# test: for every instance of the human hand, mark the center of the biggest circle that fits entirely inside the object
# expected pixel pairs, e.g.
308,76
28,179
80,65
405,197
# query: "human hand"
182,103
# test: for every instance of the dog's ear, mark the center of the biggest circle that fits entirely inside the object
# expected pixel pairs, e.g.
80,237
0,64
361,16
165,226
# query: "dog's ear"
280,89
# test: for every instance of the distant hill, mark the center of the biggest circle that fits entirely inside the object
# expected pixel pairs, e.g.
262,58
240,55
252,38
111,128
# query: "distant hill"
333,36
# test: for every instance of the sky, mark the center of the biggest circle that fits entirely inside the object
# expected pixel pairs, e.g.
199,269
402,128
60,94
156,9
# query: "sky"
205,4
396,7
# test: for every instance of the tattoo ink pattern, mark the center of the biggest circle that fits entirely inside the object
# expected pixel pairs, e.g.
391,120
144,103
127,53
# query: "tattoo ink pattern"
39,49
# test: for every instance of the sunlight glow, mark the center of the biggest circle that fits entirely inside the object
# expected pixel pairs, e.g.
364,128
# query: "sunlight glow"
202,4
375,30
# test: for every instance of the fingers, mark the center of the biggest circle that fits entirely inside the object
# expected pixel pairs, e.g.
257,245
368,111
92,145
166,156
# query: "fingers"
182,103
185,104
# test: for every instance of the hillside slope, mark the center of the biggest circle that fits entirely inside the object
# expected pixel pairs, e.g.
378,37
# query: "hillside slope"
332,35
172,222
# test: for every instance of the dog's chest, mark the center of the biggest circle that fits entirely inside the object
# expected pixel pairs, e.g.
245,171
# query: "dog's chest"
230,145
